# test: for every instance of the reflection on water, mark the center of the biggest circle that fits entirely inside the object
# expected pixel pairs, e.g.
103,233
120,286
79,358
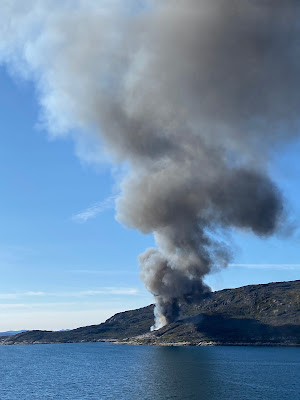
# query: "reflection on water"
216,373
180,373
99,371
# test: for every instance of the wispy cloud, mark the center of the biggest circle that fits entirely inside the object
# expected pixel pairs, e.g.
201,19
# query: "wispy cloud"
113,291
106,291
95,210
12,296
34,294
280,267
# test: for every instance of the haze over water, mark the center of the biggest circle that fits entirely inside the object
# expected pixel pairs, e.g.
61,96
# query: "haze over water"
97,371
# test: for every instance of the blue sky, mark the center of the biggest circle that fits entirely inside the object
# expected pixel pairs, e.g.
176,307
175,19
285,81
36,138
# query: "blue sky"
64,259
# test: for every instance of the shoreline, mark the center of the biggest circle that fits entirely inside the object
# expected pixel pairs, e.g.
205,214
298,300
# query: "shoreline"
133,342
205,344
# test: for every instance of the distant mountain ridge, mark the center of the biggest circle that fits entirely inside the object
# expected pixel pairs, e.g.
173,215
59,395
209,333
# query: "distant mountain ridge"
12,333
251,315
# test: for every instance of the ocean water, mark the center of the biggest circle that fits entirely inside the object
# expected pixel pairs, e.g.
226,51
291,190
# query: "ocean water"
104,371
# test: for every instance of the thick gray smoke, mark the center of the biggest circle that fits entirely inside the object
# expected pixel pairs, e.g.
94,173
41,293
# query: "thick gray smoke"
194,95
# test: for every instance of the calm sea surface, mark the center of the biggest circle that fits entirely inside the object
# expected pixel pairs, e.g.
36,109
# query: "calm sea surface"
102,371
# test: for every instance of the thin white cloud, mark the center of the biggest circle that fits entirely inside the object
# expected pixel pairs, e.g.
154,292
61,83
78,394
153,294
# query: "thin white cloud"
51,305
106,291
127,292
95,210
113,291
12,296
279,267
34,294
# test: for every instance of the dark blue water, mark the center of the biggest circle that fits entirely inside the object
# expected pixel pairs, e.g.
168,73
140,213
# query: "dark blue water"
102,371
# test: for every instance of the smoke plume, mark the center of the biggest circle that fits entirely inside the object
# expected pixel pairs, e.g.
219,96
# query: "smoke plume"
194,95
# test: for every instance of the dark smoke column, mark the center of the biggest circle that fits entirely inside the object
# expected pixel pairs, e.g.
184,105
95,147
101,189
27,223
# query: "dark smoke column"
218,96
184,225
193,95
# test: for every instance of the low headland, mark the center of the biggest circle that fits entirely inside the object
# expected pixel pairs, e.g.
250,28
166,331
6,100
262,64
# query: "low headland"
255,315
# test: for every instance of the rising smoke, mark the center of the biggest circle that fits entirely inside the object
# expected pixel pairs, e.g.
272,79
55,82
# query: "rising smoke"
195,95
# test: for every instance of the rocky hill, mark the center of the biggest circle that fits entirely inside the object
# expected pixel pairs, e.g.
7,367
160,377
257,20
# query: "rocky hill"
256,314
